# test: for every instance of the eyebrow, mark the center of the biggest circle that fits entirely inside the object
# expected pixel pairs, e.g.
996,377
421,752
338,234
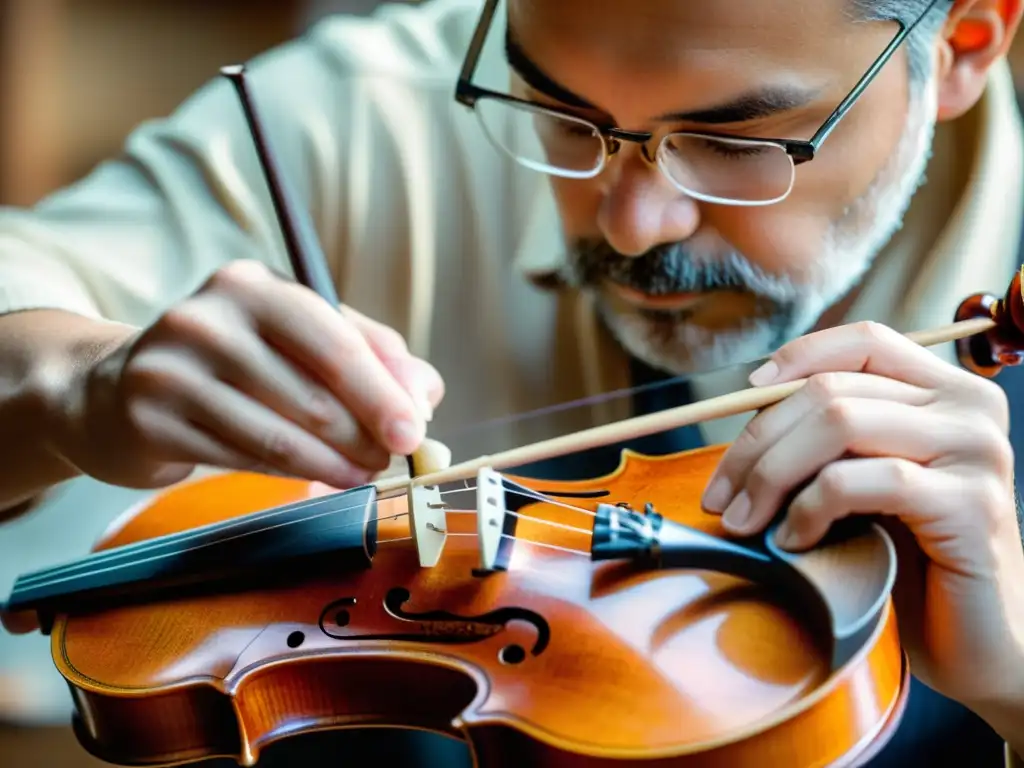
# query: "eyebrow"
759,104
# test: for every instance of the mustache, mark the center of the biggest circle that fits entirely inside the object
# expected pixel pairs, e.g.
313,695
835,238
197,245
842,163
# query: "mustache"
668,269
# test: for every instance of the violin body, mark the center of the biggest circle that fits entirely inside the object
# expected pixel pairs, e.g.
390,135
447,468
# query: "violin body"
558,660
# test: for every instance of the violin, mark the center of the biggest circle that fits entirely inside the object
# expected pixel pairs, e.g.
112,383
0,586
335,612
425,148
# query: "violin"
606,621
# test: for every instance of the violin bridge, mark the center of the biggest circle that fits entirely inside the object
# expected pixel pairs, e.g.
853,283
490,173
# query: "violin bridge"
429,523
490,515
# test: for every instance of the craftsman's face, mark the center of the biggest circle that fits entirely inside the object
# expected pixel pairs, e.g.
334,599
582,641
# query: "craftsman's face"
781,265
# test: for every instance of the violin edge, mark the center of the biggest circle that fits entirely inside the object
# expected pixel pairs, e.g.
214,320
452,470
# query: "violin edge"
233,728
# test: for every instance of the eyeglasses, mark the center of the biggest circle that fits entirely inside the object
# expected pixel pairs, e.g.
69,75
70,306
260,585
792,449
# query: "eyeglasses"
707,166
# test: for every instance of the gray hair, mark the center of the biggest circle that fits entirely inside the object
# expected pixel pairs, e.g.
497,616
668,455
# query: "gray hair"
920,42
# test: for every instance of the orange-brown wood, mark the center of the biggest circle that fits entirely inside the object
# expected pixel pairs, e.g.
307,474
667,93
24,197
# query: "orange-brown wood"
659,668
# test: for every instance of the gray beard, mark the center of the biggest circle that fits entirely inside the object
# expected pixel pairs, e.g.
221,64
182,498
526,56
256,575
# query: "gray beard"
776,308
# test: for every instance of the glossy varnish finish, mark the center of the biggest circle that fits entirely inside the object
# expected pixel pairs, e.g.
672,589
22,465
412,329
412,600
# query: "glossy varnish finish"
559,660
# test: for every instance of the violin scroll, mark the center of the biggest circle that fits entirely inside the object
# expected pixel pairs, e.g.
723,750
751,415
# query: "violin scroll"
986,354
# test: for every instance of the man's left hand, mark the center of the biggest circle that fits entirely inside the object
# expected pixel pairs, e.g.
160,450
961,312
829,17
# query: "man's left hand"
883,426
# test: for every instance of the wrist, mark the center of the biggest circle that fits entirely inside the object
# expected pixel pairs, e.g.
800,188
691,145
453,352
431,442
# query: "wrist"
1005,713
40,354
74,391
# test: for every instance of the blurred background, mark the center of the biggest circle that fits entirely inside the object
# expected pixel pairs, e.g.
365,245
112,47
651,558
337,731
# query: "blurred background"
75,77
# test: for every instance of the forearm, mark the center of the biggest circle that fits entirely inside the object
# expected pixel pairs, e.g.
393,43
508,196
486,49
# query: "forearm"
1004,711
41,353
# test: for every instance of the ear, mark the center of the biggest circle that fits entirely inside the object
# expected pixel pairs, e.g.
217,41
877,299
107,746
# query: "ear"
976,35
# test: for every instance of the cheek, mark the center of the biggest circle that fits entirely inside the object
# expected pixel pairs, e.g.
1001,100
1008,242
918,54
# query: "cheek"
579,201
789,237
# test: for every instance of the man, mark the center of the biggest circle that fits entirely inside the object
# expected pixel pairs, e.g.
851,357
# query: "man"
144,334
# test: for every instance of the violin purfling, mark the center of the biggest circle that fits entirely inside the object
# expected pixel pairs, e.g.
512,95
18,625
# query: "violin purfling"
604,621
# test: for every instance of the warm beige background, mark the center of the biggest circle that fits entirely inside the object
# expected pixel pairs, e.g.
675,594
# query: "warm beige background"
77,75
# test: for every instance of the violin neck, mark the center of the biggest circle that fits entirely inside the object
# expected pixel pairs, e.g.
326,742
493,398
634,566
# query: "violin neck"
336,533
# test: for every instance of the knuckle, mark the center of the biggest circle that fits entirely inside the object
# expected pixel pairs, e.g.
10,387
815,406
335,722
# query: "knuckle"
239,274
839,415
903,481
751,434
823,388
276,449
992,501
833,482
389,339
185,322
349,348
150,376
762,478
994,399
995,448
138,416
201,330
982,439
874,332
321,409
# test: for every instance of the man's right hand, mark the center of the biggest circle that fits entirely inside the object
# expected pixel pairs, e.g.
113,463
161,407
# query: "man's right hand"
252,372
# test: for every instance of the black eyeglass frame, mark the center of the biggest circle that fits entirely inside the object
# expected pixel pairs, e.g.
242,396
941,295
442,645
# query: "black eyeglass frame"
800,150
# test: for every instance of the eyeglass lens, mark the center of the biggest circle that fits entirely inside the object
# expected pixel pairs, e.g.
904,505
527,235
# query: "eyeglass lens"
723,169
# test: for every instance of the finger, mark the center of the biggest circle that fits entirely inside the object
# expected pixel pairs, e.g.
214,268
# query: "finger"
268,439
244,361
771,425
420,379
858,427
332,349
952,516
868,347
177,441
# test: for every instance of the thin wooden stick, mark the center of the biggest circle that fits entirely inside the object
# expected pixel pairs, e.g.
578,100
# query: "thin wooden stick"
723,406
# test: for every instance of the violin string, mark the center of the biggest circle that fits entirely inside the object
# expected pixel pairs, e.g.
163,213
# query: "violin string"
133,552
531,518
520,540
530,494
216,542
339,526
506,536
116,558
130,550
569,405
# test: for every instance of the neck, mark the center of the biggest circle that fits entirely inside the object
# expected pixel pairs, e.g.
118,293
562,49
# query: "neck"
337,531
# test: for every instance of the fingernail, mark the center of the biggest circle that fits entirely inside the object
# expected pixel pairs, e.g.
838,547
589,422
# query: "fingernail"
423,405
766,374
785,537
717,495
738,513
429,379
426,388
403,435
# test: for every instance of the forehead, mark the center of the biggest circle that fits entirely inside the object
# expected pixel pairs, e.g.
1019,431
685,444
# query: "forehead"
615,53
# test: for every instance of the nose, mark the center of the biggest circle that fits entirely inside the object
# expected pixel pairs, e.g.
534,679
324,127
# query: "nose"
640,209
